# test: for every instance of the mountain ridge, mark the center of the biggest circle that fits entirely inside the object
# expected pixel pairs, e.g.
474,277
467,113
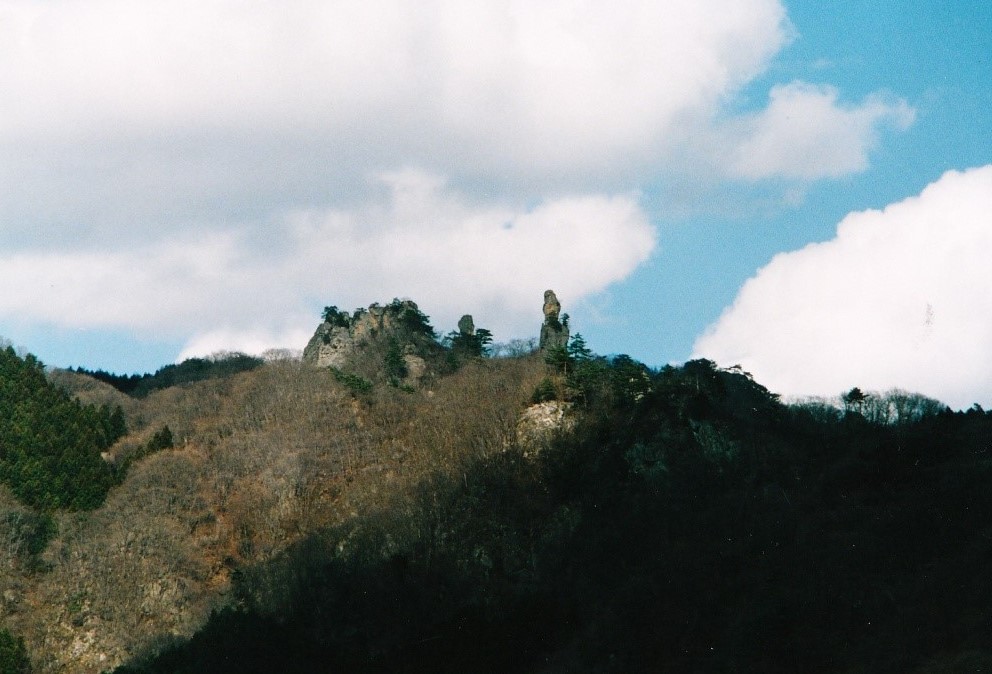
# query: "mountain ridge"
299,520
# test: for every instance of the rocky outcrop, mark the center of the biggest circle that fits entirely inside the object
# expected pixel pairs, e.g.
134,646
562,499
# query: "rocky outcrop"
361,341
330,346
540,423
554,331
416,366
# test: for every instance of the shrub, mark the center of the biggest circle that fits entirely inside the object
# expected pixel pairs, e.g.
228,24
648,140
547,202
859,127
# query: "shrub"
354,383
336,318
544,392
396,369
29,532
13,654
161,440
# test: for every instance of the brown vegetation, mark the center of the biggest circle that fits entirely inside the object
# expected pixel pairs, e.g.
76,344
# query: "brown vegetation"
260,460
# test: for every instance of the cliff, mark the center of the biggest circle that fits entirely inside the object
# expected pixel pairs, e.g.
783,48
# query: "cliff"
395,341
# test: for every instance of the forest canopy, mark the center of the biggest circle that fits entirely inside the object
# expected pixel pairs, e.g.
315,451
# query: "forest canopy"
50,444
186,372
691,522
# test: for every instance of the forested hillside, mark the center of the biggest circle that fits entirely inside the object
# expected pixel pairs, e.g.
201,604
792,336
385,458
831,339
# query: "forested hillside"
50,444
547,512
690,524
188,371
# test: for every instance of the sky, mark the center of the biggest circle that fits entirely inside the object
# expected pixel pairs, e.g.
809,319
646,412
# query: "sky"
800,188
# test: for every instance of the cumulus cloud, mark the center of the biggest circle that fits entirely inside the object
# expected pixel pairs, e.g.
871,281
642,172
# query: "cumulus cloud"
804,133
188,109
136,135
418,238
546,73
899,298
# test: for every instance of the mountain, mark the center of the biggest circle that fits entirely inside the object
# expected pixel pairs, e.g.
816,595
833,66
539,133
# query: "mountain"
306,518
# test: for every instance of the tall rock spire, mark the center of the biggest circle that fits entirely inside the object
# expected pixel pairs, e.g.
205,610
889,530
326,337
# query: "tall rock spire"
554,331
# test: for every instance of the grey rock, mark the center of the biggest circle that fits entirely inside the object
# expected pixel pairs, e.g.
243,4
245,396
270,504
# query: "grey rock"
554,331
357,343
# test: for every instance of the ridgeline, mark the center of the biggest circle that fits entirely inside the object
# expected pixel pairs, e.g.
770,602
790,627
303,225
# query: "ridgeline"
547,511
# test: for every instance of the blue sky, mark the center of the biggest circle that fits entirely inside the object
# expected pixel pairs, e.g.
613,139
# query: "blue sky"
180,179
936,55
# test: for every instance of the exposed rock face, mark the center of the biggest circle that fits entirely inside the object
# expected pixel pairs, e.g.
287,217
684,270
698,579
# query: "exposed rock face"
554,331
416,368
350,342
539,423
466,325
330,346
552,307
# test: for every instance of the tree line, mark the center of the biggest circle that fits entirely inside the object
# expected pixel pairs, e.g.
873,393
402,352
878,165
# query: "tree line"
188,371
691,522
50,443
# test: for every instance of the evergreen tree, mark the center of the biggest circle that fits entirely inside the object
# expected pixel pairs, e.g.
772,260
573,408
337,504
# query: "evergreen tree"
50,444
13,654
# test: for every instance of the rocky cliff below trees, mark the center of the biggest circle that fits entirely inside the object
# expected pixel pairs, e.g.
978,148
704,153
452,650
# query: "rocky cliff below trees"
395,342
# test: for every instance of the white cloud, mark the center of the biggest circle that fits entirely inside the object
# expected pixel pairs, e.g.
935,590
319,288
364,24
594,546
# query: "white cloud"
251,341
115,111
899,298
134,135
418,239
150,288
531,72
805,134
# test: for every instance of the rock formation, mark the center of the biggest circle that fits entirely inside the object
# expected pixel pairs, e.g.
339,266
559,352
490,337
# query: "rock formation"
540,423
466,325
554,331
354,342
330,346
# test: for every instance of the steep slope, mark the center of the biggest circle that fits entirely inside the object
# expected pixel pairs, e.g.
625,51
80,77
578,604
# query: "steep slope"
260,460
393,343
694,524
50,445
296,517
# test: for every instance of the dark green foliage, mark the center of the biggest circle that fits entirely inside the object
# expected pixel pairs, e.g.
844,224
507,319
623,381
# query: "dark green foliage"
125,383
13,654
413,319
693,523
29,532
587,377
558,360
475,345
628,380
577,349
161,440
463,345
336,318
114,424
565,359
545,391
483,339
395,365
854,398
186,372
353,382
50,444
